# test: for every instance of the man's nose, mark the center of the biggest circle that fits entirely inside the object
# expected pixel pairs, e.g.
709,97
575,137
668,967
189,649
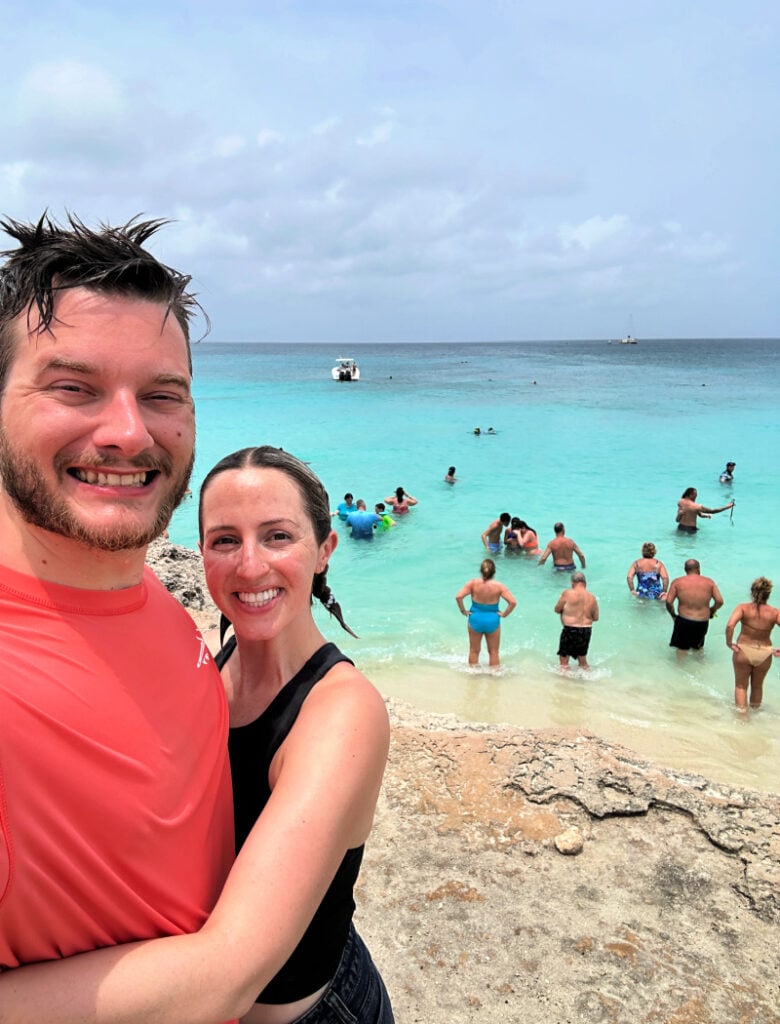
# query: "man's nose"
123,426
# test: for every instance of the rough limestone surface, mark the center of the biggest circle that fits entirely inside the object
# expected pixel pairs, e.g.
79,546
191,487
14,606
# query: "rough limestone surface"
670,914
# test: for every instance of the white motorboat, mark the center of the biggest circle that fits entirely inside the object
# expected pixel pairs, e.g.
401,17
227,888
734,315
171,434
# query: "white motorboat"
345,369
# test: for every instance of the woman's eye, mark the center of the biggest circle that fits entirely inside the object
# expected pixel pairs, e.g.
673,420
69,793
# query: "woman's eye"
280,535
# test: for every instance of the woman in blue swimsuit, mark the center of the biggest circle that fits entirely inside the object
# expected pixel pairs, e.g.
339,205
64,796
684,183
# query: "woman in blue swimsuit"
652,579
484,616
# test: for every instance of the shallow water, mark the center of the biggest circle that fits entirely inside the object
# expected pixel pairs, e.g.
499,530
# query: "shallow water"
606,440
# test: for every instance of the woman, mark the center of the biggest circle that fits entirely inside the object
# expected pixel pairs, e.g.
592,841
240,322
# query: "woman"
529,539
512,536
308,743
650,575
484,616
401,502
752,653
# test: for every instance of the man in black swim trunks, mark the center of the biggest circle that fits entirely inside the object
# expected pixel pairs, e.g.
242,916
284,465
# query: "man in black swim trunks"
578,610
689,510
698,599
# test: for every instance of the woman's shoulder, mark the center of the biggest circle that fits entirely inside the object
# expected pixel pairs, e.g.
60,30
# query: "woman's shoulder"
344,697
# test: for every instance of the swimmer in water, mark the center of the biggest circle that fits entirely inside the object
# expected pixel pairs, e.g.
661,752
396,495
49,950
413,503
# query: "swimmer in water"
688,510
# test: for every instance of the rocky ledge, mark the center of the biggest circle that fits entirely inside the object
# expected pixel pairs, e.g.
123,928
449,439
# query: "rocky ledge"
548,877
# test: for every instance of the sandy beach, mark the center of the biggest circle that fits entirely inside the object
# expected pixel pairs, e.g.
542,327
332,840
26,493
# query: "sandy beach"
550,876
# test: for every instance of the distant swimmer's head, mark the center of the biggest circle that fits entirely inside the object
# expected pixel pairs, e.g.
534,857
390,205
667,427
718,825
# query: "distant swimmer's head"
451,471
487,568
761,588
399,493
578,577
648,549
731,465
379,507
690,493
361,504
504,518
692,565
559,528
348,498
517,524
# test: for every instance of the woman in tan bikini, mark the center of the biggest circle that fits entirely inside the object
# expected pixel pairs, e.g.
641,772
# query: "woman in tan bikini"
753,649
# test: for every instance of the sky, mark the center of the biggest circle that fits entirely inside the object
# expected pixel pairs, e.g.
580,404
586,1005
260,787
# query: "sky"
417,170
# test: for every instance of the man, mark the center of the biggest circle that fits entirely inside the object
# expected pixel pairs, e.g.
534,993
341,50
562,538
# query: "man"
116,822
563,549
727,476
688,509
578,610
345,507
491,538
698,599
361,522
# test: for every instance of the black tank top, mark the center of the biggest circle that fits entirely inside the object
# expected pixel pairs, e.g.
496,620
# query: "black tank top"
252,747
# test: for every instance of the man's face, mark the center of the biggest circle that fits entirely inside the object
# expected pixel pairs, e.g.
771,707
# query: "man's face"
97,425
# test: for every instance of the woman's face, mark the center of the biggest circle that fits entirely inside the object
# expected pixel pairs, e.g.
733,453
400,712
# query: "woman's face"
259,551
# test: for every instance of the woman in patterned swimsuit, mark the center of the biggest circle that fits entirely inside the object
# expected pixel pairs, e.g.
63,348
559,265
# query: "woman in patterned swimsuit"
652,579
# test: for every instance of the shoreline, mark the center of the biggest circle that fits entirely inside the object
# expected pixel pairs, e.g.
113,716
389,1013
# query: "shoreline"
544,876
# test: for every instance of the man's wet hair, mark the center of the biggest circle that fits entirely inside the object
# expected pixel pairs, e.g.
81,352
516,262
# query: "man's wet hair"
692,565
578,577
558,527
51,258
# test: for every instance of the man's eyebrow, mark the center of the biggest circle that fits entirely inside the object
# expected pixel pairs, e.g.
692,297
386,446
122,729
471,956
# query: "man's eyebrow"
78,366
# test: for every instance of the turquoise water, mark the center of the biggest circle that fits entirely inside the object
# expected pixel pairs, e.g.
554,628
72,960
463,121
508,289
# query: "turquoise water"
606,440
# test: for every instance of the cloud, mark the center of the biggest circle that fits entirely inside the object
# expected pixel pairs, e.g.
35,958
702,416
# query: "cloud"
380,132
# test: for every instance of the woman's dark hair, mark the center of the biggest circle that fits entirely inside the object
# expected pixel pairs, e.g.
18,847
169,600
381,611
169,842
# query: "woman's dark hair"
315,502
690,493
399,493
524,525
648,549
487,568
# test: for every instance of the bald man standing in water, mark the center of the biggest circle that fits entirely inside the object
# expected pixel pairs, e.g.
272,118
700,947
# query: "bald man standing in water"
578,610
698,599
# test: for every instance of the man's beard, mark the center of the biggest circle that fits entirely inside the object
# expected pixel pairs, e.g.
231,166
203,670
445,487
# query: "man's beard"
39,505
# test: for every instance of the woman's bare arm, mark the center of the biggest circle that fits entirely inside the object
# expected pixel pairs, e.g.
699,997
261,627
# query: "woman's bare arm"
322,804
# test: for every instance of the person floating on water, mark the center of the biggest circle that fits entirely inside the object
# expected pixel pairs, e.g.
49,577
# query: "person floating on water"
450,477
688,510
727,476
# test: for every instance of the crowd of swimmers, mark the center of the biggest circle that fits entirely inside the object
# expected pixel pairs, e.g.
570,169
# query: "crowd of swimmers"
692,599
362,524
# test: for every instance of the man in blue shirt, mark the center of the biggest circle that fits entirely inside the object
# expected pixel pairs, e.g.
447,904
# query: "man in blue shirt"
361,522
